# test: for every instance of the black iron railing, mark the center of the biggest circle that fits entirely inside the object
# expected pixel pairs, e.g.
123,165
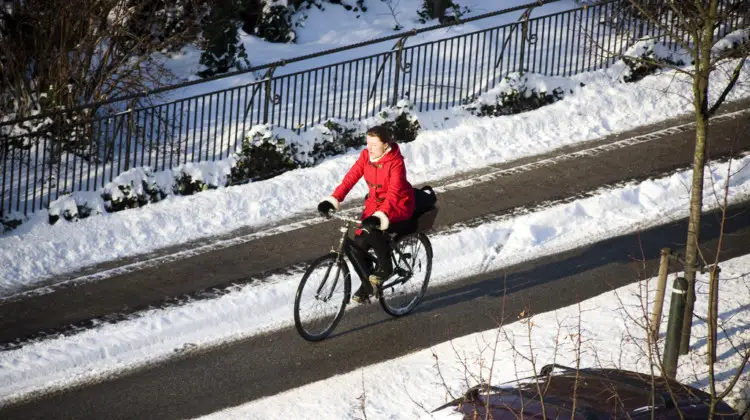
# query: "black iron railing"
38,167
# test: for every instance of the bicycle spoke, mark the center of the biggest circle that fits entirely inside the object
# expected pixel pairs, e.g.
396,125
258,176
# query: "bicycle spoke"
333,285
401,295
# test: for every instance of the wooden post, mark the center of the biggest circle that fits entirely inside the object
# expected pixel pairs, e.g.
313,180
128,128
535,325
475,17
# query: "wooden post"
713,313
660,287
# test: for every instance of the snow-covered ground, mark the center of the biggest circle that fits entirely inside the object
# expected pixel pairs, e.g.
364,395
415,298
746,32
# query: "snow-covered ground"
452,142
410,386
156,335
37,251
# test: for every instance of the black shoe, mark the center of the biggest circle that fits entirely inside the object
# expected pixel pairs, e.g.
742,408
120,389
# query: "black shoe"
362,295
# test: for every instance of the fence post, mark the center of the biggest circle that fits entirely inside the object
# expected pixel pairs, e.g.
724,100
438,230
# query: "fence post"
267,99
4,157
128,138
660,287
399,47
524,29
674,327
524,19
396,77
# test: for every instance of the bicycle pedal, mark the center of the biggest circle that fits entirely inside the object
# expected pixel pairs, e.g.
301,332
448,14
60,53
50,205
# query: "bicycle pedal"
360,300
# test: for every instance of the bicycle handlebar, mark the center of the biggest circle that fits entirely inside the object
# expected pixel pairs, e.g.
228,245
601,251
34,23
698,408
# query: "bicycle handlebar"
344,218
351,220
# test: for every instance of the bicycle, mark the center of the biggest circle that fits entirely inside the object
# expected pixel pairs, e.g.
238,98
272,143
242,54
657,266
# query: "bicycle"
398,295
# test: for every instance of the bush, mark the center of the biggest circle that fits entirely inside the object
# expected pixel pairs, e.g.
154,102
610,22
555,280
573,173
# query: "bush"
75,206
431,9
263,155
657,54
733,45
72,212
517,102
403,124
222,49
336,141
275,24
133,188
8,223
184,184
517,94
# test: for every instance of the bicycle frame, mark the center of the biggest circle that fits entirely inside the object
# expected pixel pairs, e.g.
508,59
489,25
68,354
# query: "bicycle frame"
311,310
345,246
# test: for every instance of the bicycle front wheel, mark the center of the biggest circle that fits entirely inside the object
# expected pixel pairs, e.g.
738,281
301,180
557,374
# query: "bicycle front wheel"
400,295
321,297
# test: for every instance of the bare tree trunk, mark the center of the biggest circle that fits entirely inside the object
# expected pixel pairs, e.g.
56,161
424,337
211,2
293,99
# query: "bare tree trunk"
693,236
700,100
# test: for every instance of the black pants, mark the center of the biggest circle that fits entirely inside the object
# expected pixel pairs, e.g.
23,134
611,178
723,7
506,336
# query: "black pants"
376,241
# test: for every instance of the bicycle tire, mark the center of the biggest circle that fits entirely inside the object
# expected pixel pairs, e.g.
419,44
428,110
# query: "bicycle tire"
389,296
338,311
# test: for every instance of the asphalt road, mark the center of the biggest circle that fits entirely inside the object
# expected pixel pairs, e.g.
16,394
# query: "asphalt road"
491,191
212,379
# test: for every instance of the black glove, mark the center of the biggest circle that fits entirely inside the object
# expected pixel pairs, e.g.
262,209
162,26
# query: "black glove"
325,207
371,223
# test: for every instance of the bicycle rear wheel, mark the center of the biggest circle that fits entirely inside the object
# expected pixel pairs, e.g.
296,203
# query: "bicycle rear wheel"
401,294
321,297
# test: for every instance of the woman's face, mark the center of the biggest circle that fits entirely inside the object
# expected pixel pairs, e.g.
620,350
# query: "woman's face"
375,147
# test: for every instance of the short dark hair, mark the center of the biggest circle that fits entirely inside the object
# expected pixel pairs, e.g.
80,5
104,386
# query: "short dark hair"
382,132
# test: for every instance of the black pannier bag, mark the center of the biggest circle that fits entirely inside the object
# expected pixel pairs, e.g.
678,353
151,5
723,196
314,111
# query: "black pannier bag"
425,210
424,214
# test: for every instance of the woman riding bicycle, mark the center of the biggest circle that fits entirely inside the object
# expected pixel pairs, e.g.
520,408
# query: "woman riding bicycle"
390,203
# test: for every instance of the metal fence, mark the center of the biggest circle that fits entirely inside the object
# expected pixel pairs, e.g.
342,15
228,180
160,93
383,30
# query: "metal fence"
37,168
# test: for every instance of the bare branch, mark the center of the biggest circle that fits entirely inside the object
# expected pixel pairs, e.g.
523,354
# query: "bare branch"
733,382
728,88
497,340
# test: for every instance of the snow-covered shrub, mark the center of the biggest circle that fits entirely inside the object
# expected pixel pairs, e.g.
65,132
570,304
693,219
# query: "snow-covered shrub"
336,138
263,155
184,184
10,222
200,176
520,93
64,206
646,58
431,10
222,50
275,23
133,188
76,206
404,125
734,45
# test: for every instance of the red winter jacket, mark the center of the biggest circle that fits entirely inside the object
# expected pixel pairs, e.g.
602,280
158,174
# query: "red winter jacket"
391,196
